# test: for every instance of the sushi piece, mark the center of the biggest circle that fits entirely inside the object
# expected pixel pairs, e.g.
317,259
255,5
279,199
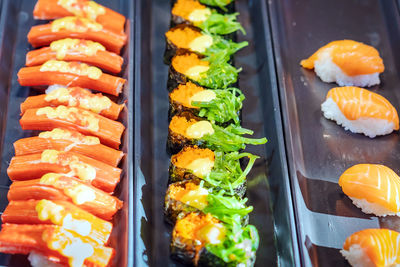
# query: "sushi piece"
360,111
372,247
70,74
85,51
96,173
76,27
58,244
185,38
62,139
190,196
54,9
217,106
201,240
191,12
185,129
373,188
47,118
217,169
215,72
347,63
62,213
57,95
53,186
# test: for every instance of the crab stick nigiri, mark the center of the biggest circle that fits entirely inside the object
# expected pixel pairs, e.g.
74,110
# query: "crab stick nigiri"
70,74
57,95
81,50
62,213
360,111
53,186
346,62
63,139
373,188
53,9
88,123
55,243
76,27
373,247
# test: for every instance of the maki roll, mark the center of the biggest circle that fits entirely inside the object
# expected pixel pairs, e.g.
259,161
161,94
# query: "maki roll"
218,106
211,72
186,38
188,196
191,12
202,240
186,129
218,169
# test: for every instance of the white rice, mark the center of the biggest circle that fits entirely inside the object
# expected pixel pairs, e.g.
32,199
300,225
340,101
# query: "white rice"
329,72
369,207
38,260
357,257
371,127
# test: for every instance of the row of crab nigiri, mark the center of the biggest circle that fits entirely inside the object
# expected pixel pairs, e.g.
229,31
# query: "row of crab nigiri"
373,188
60,201
205,197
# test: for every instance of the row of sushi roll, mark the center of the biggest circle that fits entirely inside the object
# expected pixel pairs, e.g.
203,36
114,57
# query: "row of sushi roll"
205,199
61,203
373,188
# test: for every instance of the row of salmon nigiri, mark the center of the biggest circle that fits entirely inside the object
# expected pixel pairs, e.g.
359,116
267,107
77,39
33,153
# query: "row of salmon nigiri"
373,188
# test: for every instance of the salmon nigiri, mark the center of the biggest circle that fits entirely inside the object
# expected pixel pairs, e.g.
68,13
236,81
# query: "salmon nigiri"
373,188
373,247
360,111
346,62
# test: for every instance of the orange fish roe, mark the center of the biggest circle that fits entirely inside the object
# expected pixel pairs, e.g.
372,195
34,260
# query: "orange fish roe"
177,191
353,58
179,124
182,37
183,8
183,63
356,103
184,92
188,226
189,154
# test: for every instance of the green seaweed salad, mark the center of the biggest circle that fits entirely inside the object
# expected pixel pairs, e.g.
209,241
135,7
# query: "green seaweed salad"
218,3
223,108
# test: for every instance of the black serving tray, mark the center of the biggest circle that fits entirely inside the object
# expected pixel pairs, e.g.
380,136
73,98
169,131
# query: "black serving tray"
15,22
268,183
319,151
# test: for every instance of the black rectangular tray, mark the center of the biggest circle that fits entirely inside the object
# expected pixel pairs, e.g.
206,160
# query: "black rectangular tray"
15,23
319,151
268,187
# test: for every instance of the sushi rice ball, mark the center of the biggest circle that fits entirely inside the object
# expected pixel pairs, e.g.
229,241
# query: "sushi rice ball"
360,111
373,188
346,62
372,247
